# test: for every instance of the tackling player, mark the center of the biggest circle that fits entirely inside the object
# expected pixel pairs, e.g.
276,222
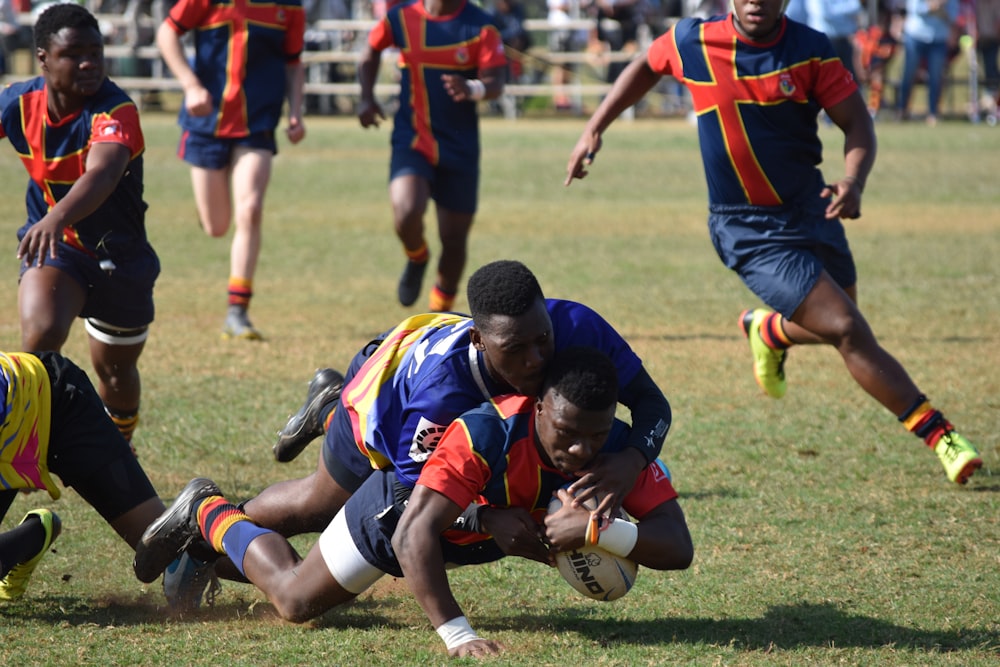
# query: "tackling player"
508,458
52,421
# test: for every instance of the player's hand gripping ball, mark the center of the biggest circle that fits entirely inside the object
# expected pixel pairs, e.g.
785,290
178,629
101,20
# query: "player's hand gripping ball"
592,571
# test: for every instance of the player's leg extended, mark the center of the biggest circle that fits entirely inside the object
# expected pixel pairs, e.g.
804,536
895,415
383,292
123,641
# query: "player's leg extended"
212,198
830,314
453,228
49,300
297,506
409,193
114,354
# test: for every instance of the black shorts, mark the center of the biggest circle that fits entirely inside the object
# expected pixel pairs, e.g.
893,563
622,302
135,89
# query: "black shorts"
86,449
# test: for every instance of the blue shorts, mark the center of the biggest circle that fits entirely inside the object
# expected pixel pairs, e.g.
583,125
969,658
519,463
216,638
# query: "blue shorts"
121,296
454,189
345,462
372,515
209,152
779,253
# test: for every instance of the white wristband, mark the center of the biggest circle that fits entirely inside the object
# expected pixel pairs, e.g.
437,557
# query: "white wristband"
477,89
619,537
456,632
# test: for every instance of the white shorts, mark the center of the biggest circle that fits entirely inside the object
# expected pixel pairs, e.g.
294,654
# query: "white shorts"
343,559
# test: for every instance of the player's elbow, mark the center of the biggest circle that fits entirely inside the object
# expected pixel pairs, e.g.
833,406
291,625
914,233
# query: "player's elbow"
675,554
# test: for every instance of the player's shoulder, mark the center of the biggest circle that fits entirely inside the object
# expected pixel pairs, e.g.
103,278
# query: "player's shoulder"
11,93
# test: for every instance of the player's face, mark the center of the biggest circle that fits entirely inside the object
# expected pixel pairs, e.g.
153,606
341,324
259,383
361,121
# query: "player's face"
74,62
758,20
569,436
517,349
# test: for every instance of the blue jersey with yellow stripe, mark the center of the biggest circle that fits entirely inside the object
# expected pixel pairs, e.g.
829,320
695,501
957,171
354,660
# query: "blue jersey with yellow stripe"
427,372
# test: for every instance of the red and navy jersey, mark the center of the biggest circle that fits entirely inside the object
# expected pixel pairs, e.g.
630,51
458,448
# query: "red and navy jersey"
489,456
757,105
55,155
428,120
427,372
241,50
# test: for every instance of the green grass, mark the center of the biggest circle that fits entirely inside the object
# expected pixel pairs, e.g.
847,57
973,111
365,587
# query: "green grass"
823,533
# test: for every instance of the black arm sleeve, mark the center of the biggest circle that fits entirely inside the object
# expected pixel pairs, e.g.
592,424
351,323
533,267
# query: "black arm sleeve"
650,415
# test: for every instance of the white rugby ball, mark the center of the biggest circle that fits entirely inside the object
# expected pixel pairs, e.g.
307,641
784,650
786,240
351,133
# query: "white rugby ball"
592,571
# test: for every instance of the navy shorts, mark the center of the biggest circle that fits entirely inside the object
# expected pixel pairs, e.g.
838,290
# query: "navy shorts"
454,189
345,462
119,294
372,515
86,449
779,253
210,152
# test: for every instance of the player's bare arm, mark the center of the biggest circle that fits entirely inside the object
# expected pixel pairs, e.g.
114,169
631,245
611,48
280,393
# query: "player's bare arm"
369,111
197,99
851,116
631,86
295,75
106,162
417,544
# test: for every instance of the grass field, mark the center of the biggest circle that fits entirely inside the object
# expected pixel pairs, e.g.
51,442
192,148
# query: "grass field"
823,533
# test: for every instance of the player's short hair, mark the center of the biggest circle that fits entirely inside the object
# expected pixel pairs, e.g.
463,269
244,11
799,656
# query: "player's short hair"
584,376
62,15
505,287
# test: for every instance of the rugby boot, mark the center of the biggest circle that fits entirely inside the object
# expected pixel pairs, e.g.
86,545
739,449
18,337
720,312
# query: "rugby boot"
307,424
14,584
768,363
173,532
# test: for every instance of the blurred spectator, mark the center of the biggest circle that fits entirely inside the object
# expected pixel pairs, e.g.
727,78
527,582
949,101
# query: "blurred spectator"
838,20
927,31
13,35
988,44
796,10
618,24
876,45
508,17
564,40
706,8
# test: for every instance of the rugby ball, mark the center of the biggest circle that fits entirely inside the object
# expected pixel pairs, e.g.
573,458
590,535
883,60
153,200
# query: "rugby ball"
592,571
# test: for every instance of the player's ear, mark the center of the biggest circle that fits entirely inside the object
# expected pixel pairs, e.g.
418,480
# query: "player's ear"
476,338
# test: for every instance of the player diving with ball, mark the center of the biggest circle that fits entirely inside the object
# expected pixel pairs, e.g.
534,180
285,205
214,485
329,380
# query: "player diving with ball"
507,457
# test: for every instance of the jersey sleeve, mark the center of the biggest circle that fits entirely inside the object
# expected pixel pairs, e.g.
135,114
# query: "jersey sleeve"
576,324
834,82
662,55
121,126
454,469
295,34
381,38
652,488
187,14
491,51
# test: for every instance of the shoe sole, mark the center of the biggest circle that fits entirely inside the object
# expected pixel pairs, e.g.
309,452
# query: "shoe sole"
968,470
155,551
290,445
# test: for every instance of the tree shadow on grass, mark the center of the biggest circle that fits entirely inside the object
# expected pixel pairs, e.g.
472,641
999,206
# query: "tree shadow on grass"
782,627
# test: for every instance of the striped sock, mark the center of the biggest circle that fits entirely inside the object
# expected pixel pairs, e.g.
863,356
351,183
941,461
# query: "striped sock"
420,255
441,301
772,332
925,422
227,528
240,291
125,421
